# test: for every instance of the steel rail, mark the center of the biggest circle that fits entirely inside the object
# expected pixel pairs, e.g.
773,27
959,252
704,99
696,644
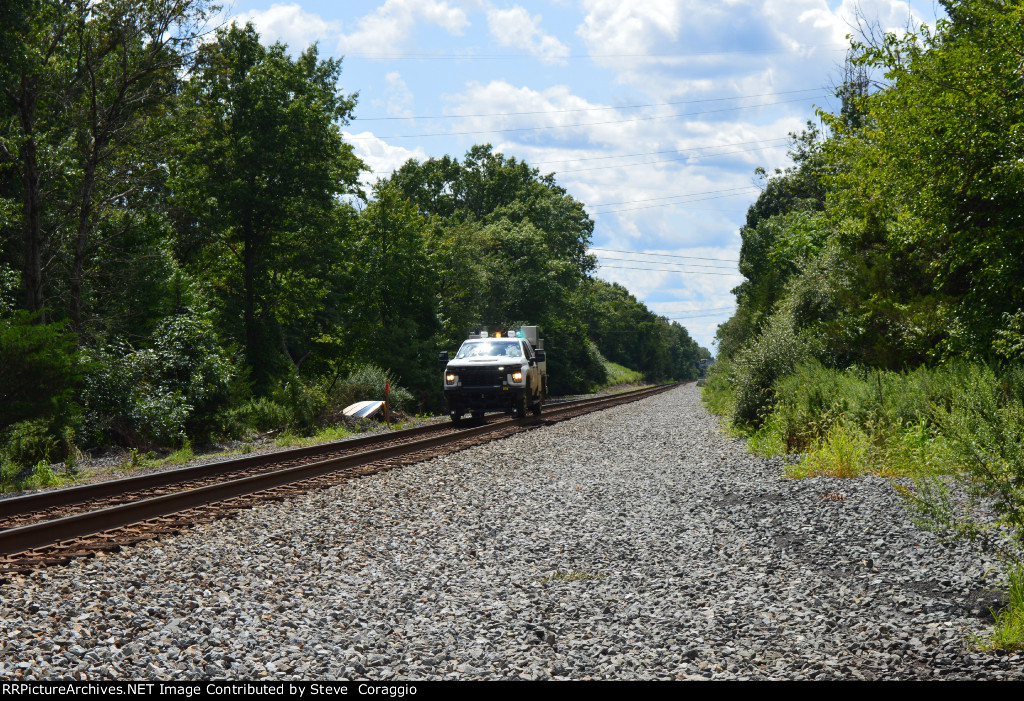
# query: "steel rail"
22,505
45,533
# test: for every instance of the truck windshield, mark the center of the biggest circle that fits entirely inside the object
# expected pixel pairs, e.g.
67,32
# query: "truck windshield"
509,349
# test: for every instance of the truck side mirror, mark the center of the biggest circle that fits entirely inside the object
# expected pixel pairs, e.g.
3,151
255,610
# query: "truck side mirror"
540,355
442,357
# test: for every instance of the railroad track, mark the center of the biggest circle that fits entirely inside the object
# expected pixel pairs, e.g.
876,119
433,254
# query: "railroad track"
54,527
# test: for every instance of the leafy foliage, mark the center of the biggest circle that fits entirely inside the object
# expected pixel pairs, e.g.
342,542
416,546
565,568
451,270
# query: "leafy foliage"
186,252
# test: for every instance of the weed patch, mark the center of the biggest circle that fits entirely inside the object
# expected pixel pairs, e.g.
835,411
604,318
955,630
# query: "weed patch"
1008,631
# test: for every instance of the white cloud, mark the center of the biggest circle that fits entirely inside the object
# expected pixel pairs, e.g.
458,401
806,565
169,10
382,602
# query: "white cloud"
388,27
646,202
381,158
399,96
614,27
688,47
513,27
290,24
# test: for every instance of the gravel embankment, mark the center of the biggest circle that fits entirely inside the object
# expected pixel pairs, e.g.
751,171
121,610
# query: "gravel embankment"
636,543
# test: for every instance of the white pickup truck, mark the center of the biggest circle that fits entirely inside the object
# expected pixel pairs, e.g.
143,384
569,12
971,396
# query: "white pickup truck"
496,372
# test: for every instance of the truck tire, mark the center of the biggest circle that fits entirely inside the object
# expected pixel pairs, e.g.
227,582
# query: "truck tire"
537,406
519,410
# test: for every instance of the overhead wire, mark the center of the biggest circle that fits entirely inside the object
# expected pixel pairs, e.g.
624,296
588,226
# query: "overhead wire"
423,56
668,197
695,265
668,204
657,153
665,270
580,124
589,109
663,255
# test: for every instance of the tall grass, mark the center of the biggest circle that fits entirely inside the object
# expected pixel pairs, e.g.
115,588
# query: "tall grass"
620,375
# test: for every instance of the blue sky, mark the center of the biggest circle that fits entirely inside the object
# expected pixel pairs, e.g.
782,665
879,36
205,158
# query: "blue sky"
654,114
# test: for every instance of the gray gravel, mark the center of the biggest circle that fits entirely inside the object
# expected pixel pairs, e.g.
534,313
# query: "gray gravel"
637,543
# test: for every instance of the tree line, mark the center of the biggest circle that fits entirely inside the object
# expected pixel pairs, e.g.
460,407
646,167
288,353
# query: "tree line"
880,327
186,252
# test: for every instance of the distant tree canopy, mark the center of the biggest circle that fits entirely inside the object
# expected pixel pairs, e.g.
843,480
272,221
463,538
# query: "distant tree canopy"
186,253
896,241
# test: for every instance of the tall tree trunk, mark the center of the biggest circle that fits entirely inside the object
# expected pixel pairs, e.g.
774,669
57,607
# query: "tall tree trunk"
81,244
32,205
250,259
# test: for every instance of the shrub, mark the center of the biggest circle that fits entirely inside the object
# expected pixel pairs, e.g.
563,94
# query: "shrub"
812,400
367,382
757,368
28,442
307,405
261,414
1008,631
845,451
148,396
984,427
718,393
39,372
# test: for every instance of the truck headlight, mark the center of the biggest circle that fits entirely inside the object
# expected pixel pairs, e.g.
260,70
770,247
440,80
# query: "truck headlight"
517,376
450,378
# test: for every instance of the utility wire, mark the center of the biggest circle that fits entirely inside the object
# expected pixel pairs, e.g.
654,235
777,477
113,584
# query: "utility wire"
589,109
406,56
690,194
695,265
657,153
665,270
667,160
662,255
581,124
700,316
667,204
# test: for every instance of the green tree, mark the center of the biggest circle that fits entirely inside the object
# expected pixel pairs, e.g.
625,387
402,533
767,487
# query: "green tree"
391,318
943,162
256,181
83,84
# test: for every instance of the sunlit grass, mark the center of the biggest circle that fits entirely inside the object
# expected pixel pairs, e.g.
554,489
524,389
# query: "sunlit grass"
1008,631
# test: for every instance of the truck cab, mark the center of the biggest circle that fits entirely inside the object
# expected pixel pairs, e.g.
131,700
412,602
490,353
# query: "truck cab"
503,372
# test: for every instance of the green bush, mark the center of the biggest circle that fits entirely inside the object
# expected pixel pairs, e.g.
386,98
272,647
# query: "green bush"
260,414
143,397
1008,631
718,393
757,369
812,400
984,428
367,382
307,405
23,445
39,372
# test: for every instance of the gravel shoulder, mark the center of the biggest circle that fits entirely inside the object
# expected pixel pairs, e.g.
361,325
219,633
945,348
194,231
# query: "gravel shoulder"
636,543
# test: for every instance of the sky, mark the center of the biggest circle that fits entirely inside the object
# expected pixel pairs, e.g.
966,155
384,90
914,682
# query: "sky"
654,114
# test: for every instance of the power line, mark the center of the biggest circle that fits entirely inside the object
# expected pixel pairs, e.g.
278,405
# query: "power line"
690,194
581,124
665,270
667,204
588,109
656,153
406,56
699,316
695,265
662,255
666,160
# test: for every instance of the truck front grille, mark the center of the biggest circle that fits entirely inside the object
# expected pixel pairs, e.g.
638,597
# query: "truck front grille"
481,377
